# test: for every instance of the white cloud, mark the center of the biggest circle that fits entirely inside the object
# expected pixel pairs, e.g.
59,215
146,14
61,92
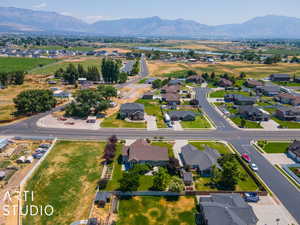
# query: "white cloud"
40,6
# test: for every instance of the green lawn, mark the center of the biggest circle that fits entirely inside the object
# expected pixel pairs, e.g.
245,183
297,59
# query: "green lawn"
50,69
249,124
10,64
288,84
67,180
287,124
152,108
220,147
200,122
274,147
142,81
222,93
245,184
114,122
157,211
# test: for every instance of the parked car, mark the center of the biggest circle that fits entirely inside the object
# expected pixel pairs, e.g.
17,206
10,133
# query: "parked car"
37,155
251,197
254,167
246,157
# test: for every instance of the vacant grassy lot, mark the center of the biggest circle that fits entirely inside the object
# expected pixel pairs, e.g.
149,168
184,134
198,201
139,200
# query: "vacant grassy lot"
157,211
67,180
274,147
219,146
152,108
114,122
84,61
10,64
222,93
200,122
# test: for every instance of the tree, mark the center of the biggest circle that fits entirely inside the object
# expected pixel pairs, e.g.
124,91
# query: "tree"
123,77
34,101
107,91
109,152
157,84
129,182
230,175
136,68
176,185
173,165
92,74
113,139
160,180
191,73
213,76
194,102
243,122
110,70
242,75
71,74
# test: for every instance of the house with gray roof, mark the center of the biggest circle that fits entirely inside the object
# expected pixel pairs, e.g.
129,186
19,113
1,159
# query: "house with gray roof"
182,115
253,113
240,99
142,152
132,111
294,151
280,77
225,209
268,90
202,161
288,113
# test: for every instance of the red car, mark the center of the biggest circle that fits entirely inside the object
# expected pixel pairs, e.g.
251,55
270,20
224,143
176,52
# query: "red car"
246,157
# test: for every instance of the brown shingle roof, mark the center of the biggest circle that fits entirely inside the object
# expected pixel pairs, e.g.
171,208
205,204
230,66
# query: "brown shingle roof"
171,89
141,150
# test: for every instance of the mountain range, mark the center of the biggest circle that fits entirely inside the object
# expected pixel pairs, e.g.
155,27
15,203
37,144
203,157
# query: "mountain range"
26,20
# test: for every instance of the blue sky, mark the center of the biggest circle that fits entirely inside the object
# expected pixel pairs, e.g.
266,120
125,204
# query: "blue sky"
204,11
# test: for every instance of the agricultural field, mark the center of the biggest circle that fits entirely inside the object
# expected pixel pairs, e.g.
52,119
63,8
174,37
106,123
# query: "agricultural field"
256,71
10,64
67,180
57,47
50,69
274,147
157,211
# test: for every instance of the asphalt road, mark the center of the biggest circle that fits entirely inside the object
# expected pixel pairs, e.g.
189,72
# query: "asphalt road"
128,67
285,191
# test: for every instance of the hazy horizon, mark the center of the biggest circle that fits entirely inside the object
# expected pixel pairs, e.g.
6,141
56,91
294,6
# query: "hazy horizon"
210,13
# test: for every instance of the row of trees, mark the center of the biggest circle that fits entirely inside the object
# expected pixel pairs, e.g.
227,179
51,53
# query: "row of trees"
91,102
34,101
110,70
12,78
136,68
72,73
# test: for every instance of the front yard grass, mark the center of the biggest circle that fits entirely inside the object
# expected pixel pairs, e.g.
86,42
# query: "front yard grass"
245,184
274,147
114,122
152,108
67,180
219,146
157,211
200,122
249,124
287,124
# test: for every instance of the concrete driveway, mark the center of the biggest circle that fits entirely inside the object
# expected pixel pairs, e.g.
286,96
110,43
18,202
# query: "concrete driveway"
270,125
177,149
151,122
177,126
278,159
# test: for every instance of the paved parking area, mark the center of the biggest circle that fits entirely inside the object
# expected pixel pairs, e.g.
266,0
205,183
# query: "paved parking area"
50,121
268,210
278,159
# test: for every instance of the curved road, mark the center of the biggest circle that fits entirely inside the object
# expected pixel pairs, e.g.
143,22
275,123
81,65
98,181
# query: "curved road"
285,191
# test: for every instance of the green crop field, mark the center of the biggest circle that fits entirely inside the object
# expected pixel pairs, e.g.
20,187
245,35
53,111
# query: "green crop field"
10,64
50,69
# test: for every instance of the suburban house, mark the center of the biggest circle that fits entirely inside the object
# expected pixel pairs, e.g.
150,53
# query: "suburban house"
102,198
268,90
174,89
253,83
197,79
225,209
61,94
202,161
141,152
280,77
148,95
253,113
294,151
171,98
182,115
297,79
174,82
288,113
287,98
133,111
240,99
150,80
225,83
